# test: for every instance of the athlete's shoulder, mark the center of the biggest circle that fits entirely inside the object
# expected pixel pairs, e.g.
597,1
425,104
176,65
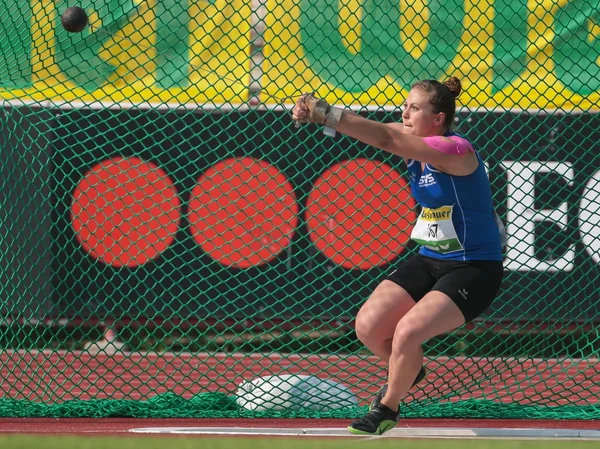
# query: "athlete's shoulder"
456,136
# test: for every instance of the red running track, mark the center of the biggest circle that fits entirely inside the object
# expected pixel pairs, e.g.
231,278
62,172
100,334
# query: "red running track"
59,376
108,426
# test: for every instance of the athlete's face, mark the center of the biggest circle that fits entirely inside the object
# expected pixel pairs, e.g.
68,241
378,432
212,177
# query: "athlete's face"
418,117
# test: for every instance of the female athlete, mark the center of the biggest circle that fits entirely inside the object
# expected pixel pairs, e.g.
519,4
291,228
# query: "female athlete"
458,269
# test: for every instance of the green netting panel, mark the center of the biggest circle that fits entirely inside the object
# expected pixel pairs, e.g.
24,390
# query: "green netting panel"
166,233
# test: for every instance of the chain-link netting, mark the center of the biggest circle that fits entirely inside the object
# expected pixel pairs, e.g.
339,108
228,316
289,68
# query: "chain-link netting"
167,233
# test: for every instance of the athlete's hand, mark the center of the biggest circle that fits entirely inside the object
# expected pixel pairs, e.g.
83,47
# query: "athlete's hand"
310,109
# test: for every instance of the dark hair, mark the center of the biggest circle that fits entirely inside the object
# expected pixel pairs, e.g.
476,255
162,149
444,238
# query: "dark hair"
442,96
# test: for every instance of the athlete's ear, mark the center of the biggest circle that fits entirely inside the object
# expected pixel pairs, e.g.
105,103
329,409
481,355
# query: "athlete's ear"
439,118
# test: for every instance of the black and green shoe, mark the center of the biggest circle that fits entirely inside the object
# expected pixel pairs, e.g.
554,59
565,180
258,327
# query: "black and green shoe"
383,390
377,421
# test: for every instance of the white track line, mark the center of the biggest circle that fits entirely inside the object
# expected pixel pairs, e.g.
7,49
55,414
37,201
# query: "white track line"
416,432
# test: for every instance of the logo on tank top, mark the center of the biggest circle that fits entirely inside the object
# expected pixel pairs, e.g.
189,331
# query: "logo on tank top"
427,180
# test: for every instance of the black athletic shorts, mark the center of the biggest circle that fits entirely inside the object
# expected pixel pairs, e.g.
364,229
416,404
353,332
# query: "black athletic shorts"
472,285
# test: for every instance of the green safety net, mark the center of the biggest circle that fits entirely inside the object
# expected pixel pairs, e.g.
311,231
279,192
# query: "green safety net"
167,233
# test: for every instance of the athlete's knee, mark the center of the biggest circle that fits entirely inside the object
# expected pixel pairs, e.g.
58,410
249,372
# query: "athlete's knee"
366,329
371,335
378,317
406,337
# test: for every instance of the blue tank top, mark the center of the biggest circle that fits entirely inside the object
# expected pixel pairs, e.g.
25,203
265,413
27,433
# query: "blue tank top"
457,220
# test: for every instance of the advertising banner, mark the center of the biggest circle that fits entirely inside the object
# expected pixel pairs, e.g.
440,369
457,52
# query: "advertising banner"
195,226
525,55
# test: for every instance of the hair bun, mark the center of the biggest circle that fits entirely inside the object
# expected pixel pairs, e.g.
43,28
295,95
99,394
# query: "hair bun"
453,83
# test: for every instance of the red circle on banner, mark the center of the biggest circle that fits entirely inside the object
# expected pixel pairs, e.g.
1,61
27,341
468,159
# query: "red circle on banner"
125,211
359,213
243,212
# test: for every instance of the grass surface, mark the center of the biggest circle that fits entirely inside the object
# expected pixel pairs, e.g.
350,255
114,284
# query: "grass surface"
160,442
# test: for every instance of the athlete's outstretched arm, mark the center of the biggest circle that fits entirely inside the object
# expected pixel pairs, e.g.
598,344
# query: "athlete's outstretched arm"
388,138
433,150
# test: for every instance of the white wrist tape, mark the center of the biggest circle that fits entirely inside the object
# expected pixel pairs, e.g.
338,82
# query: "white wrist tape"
333,117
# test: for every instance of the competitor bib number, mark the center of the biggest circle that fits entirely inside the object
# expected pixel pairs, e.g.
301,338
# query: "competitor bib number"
435,231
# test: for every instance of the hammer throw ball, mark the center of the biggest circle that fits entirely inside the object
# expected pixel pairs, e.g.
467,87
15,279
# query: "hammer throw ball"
74,19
